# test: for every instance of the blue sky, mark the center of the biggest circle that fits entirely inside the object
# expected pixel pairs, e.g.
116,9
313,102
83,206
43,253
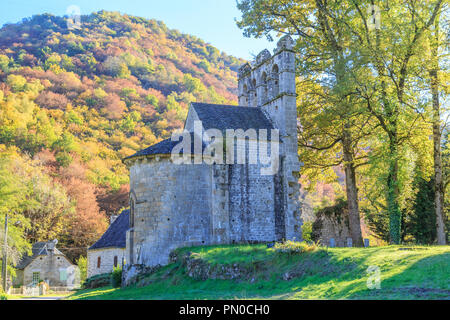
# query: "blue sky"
210,20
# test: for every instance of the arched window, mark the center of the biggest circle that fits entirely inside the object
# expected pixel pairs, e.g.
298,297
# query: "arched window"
254,86
132,218
132,206
115,261
276,81
264,83
99,262
245,93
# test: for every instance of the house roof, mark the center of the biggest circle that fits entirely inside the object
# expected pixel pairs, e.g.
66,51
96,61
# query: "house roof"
216,116
115,236
223,117
38,249
164,147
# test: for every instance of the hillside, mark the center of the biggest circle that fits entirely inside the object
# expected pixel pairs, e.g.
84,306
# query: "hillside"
73,103
256,272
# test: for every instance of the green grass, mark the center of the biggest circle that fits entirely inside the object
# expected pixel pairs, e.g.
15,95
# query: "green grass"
334,273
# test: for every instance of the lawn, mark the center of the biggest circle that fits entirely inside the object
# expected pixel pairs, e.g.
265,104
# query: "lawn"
406,272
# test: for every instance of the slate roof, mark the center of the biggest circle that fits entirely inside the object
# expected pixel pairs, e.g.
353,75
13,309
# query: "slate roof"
115,236
216,116
38,249
164,147
223,117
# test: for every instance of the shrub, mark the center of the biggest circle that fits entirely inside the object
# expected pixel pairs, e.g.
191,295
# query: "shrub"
64,159
3,295
307,231
97,281
45,284
82,265
116,277
293,247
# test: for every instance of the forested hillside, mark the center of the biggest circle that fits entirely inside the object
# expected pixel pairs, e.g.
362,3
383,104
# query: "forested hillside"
73,103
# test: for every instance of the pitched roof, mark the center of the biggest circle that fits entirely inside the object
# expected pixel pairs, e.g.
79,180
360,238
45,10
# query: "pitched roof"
216,116
38,249
223,117
115,236
164,147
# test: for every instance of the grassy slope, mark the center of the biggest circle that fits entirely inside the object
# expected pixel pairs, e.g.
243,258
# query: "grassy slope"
337,273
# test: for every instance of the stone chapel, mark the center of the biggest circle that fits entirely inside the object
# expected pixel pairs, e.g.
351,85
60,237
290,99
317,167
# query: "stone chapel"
181,205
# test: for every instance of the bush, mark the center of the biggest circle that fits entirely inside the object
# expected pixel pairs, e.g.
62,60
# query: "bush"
97,281
3,295
116,277
307,231
293,247
82,266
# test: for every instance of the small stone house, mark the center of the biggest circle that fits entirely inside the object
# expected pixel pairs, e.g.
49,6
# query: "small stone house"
109,251
47,264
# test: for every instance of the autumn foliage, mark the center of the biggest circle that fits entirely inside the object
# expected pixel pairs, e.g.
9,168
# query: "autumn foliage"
74,103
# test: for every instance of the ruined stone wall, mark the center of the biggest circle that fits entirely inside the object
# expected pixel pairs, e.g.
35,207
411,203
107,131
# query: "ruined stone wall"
106,260
331,226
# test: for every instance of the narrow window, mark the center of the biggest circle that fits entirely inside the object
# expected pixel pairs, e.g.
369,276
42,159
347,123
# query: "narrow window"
115,261
36,278
131,213
264,83
245,93
99,262
276,78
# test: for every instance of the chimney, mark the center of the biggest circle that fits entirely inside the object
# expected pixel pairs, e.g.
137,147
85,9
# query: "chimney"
112,219
51,245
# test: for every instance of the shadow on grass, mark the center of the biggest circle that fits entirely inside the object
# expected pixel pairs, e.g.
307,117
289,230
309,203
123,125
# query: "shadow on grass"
332,274
282,274
426,279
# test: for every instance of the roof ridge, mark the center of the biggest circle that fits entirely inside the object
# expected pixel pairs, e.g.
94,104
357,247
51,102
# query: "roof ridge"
219,105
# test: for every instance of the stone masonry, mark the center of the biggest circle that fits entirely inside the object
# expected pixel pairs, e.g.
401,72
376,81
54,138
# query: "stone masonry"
107,257
47,264
180,205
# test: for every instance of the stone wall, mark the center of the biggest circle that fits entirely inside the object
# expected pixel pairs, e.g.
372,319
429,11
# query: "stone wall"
189,205
52,269
106,260
332,223
172,209
253,204
269,84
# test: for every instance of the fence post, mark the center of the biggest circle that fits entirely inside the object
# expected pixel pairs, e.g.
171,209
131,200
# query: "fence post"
5,255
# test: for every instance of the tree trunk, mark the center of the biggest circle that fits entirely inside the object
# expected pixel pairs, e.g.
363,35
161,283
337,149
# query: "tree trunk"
352,190
395,216
438,179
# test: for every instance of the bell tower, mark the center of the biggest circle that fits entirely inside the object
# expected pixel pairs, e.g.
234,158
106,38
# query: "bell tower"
269,83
